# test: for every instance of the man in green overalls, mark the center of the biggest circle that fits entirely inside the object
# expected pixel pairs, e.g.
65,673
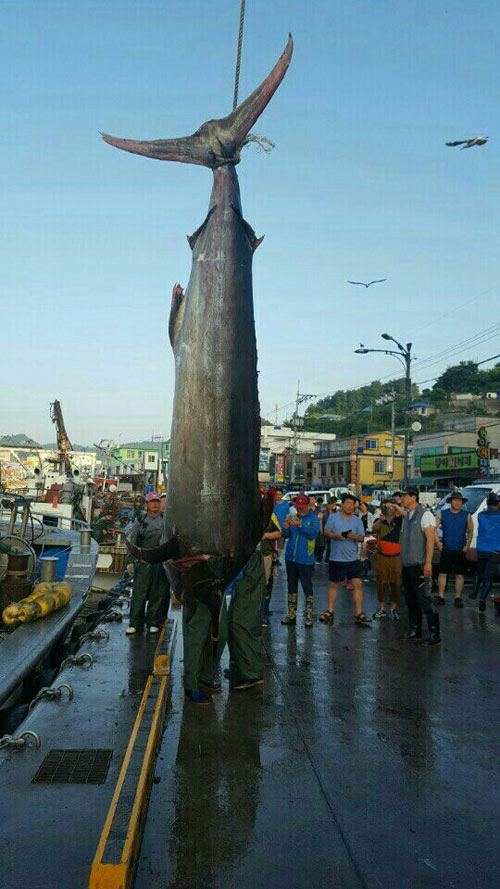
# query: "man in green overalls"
150,581
239,626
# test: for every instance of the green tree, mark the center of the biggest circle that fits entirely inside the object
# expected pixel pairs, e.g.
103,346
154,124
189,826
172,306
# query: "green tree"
463,377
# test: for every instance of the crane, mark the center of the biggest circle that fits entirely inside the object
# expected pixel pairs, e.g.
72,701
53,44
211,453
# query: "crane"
63,443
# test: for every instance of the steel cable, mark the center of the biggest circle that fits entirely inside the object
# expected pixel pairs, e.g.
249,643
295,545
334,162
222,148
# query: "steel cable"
238,55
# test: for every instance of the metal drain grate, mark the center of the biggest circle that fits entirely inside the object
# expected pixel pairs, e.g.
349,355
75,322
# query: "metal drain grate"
74,767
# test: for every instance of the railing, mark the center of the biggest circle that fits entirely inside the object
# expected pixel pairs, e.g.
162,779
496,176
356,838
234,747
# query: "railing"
19,513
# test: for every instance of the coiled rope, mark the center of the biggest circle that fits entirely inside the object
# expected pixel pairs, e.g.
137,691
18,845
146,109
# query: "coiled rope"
238,55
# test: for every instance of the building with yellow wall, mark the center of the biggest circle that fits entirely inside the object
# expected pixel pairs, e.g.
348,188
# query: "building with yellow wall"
359,461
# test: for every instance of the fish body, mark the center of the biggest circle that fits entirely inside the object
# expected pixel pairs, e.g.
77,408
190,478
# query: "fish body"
214,516
213,504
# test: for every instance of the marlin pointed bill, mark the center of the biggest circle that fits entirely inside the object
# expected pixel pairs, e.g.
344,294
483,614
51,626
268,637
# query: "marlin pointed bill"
216,142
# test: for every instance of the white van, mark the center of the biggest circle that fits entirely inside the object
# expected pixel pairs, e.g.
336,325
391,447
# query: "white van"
324,493
476,501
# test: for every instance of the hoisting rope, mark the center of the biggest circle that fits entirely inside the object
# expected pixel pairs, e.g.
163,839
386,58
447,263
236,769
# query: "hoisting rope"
238,55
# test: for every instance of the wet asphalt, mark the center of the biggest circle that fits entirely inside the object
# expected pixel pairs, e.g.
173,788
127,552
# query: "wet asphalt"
363,761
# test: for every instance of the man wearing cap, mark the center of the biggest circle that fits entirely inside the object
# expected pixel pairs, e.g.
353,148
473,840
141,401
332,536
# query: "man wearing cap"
417,546
457,529
300,532
150,581
387,530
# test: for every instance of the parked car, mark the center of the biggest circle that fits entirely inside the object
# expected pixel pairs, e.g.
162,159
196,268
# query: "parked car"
324,492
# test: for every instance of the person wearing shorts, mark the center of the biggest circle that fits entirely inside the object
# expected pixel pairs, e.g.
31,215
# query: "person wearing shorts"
345,531
456,526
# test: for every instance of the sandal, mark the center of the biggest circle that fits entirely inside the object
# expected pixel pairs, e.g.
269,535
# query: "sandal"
326,617
362,619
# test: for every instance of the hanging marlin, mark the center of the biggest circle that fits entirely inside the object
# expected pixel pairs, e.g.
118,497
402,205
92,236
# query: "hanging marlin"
214,516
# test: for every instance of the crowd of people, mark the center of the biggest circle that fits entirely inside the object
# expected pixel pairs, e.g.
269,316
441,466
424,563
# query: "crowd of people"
395,539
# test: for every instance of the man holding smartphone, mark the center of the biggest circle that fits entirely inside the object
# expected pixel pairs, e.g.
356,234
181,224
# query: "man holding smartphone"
346,532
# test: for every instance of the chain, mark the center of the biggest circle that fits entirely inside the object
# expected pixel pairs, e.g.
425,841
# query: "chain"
77,660
95,635
20,741
51,694
238,55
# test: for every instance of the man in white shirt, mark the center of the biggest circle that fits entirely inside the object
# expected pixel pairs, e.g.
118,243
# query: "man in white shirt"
417,547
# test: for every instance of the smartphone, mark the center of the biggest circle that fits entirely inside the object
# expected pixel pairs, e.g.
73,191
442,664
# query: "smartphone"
345,533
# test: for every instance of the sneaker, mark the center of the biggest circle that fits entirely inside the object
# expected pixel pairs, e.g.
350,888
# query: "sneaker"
458,602
308,622
153,630
438,600
289,619
212,688
197,697
264,623
247,683
130,631
394,615
380,612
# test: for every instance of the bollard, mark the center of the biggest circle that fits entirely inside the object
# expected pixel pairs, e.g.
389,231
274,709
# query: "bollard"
85,541
48,569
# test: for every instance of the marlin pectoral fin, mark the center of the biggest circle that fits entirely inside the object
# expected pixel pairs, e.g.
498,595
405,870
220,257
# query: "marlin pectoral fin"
176,314
252,237
156,554
216,142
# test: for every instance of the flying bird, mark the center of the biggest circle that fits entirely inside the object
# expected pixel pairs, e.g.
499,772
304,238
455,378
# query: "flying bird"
362,283
469,143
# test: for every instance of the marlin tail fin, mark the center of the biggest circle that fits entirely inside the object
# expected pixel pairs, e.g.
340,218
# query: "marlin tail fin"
217,142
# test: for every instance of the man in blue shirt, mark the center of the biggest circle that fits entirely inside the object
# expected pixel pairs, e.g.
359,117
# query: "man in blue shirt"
346,532
457,530
281,510
300,532
488,546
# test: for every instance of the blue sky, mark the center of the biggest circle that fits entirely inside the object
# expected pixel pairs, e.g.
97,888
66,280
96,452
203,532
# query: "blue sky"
359,186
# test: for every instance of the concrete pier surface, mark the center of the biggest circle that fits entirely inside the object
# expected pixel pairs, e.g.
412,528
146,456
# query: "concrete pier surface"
363,761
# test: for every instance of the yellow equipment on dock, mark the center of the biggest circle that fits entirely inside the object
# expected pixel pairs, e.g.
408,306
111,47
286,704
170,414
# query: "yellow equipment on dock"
45,598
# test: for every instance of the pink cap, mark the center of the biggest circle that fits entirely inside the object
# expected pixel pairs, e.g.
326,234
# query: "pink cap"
301,502
152,496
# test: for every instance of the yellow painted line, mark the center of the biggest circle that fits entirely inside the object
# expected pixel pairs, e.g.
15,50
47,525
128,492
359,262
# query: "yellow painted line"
165,648
119,873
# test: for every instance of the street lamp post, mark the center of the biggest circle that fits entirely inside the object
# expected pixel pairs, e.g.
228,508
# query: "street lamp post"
404,356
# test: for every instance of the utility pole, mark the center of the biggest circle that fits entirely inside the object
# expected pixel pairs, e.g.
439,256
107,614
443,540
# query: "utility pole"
407,357
404,357
298,400
294,442
393,434
159,439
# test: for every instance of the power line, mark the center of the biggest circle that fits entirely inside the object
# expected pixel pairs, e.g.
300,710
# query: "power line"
455,308
477,363
457,346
